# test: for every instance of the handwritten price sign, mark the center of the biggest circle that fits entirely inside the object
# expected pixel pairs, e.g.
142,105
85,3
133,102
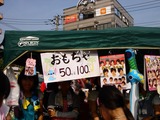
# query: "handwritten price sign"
63,66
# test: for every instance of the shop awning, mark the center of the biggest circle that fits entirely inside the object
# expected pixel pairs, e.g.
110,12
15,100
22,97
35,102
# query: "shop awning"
16,43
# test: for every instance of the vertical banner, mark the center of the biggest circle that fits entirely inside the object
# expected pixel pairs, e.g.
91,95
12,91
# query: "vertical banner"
113,70
152,64
62,66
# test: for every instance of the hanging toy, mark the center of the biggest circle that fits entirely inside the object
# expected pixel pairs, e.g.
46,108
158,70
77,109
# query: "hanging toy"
30,68
134,77
12,99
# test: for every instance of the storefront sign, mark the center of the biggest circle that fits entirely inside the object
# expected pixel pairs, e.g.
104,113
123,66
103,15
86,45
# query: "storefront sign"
70,18
62,66
103,11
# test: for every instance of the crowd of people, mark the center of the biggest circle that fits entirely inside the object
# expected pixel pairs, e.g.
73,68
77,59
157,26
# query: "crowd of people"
64,101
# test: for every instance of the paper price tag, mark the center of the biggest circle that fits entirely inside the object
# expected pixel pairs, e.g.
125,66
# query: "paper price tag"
30,68
30,62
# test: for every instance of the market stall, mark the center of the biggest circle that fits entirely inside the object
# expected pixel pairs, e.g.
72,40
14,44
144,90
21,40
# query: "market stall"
87,47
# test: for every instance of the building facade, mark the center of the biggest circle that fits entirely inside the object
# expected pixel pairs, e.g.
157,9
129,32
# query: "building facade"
96,15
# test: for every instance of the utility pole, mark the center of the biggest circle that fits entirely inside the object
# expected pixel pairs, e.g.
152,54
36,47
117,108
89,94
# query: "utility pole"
57,19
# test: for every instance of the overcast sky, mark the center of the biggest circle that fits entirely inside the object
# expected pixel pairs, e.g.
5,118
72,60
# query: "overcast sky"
36,14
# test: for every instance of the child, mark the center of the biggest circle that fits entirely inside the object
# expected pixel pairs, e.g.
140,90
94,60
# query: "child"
30,98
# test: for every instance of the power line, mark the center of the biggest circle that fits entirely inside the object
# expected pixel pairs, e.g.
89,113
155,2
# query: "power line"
12,20
32,21
144,8
24,19
141,6
10,26
24,22
150,23
55,21
135,7
142,3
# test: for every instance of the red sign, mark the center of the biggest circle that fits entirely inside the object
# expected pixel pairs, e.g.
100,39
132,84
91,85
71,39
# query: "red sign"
70,18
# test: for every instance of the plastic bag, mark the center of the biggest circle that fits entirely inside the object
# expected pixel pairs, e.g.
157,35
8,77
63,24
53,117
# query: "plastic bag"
13,97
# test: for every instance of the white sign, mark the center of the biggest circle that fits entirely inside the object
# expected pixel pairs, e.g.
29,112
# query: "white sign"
28,41
63,66
103,11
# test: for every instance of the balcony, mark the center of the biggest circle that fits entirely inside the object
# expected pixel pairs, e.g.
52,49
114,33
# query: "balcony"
1,2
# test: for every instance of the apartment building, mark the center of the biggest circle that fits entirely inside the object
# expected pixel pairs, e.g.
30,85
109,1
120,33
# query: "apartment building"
96,15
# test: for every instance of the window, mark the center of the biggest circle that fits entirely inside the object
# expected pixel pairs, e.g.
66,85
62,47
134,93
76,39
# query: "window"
104,26
118,26
88,28
87,16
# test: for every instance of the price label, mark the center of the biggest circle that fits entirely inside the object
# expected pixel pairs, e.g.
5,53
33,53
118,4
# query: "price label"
69,65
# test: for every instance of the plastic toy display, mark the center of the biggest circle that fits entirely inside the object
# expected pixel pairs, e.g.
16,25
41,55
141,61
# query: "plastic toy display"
134,76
